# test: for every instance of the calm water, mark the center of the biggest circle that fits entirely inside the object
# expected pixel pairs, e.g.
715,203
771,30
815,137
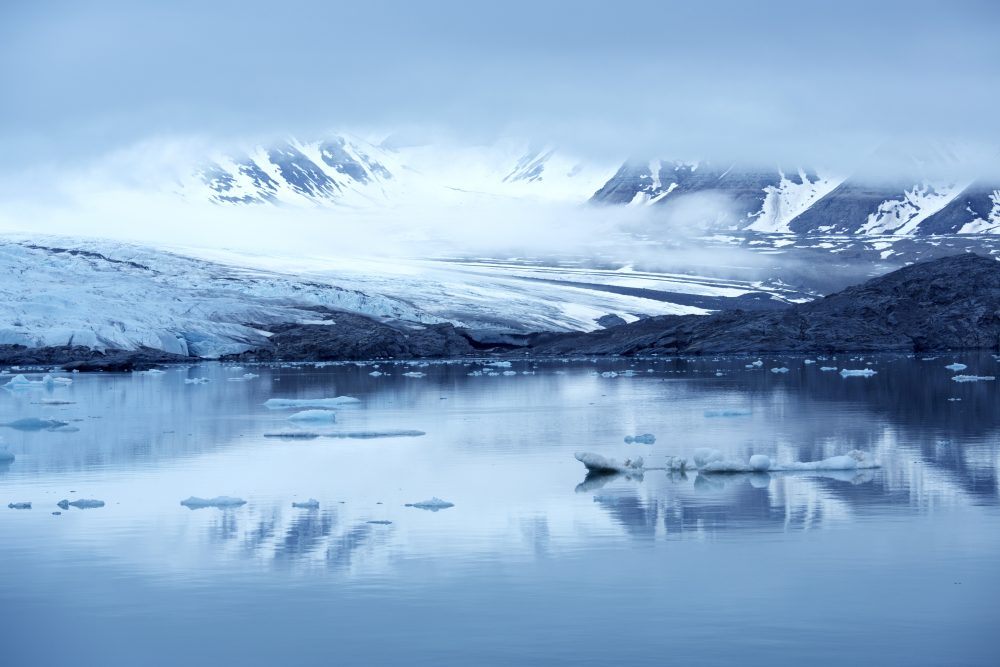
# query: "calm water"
534,564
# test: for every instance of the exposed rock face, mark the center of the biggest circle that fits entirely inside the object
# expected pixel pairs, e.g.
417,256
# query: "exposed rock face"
948,303
76,357
355,337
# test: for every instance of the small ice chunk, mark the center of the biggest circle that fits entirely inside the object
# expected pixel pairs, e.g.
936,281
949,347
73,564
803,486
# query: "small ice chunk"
972,378
598,463
311,504
808,361
221,502
34,424
828,368
151,371
955,367
19,506
314,416
859,373
677,463
434,504
292,435
509,373
644,439
499,364
705,455
780,369
760,463
852,460
376,374
414,374
20,381
196,380
285,403
82,504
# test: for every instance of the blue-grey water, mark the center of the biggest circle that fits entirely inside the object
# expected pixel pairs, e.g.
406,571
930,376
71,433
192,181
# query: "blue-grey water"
534,564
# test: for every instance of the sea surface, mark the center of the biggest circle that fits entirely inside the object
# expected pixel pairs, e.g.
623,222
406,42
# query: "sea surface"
535,563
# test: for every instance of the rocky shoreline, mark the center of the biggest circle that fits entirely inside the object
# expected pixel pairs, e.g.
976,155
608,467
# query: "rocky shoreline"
951,303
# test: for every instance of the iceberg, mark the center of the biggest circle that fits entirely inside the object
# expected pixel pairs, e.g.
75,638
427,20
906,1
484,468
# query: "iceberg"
705,455
955,367
221,502
20,381
972,378
644,439
314,416
862,373
434,504
598,463
285,403
35,424
82,504
311,504
760,463
852,460
19,506
713,461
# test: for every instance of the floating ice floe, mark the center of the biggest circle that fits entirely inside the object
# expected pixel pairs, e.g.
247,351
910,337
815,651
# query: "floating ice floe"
972,378
735,412
860,373
955,367
19,506
808,361
21,382
414,374
365,435
311,504
499,364
220,502
35,424
709,460
196,380
434,504
285,403
644,439
244,377
151,371
852,460
601,464
314,416
781,369
81,504
828,368
376,374
705,455
293,435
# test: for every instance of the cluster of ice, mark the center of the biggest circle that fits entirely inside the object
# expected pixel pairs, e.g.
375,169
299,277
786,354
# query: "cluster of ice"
781,369
414,374
35,424
244,377
314,416
601,464
828,368
376,374
82,504
434,504
196,380
285,403
221,502
755,364
861,373
19,506
19,381
972,378
955,367
713,461
311,504
644,439
151,371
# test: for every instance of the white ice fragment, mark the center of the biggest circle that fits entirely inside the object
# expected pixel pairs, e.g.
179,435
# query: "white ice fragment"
220,502
196,380
376,374
598,463
760,463
499,364
644,439
284,403
151,371
808,361
781,369
828,368
311,504
705,455
414,374
972,378
82,504
19,381
314,416
434,504
955,367
19,506
860,373
852,460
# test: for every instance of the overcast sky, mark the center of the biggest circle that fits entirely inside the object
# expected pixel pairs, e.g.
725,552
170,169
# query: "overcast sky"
784,80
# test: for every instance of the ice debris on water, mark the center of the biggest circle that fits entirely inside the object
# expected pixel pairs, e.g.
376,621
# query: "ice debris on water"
972,378
311,504
21,382
367,435
434,504
376,374
293,435
244,377
82,504
828,368
414,374
285,403
860,373
644,439
710,460
196,380
314,416
955,367
601,464
35,424
19,506
781,369
220,502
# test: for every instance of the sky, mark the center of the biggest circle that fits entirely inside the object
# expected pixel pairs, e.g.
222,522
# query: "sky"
776,82
767,80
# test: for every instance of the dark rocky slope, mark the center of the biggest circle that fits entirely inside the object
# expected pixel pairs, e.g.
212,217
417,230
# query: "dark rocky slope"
947,303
